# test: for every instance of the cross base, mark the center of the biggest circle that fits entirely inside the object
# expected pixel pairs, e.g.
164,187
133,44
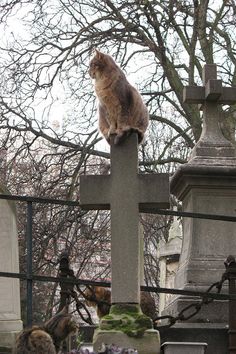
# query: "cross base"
127,327
148,344
127,318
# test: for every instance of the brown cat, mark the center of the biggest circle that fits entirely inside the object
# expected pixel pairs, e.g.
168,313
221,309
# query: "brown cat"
121,109
100,297
34,341
46,339
60,326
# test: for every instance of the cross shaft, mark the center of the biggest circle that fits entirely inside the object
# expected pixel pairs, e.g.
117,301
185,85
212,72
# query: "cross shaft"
126,193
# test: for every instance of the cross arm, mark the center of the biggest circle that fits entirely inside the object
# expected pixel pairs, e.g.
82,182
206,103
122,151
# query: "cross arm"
94,192
228,95
213,91
193,94
153,192
198,94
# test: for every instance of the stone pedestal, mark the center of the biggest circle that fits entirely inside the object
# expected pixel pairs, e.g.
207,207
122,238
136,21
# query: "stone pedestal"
126,326
10,322
148,344
205,188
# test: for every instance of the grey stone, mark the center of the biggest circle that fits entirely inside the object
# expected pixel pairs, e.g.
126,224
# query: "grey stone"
10,317
126,193
210,96
148,344
207,184
206,243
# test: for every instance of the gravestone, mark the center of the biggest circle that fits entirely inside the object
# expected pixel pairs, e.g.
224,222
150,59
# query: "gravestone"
126,193
206,184
10,316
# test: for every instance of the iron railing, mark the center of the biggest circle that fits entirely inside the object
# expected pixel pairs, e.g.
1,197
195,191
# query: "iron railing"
29,277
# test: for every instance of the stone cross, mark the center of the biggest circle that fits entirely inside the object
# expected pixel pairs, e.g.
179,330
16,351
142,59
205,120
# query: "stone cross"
126,193
210,96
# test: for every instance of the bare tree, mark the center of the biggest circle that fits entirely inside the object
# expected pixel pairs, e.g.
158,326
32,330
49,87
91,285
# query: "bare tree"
160,44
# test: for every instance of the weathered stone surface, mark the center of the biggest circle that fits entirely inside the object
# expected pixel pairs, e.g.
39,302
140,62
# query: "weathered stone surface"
10,322
126,193
206,243
207,184
148,344
210,96
215,335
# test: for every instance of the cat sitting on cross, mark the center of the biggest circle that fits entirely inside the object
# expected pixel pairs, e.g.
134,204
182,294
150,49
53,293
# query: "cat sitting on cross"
121,109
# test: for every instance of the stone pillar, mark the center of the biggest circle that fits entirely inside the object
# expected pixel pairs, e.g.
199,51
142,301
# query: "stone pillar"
207,189
10,316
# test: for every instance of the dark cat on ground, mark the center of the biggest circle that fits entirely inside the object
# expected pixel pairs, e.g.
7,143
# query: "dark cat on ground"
34,341
47,338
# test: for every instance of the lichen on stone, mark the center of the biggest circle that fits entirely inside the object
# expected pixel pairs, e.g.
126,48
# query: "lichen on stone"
128,319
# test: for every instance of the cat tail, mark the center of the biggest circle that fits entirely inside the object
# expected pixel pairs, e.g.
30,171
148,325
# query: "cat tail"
124,134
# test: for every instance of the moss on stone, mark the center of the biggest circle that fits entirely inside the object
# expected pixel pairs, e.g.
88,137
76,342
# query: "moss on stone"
5,350
129,309
131,322
108,317
144,321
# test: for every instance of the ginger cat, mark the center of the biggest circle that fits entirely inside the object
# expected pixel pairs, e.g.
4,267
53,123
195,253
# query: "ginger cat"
100,297
121,109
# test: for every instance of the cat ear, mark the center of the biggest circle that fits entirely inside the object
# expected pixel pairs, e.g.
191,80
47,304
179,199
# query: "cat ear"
98,54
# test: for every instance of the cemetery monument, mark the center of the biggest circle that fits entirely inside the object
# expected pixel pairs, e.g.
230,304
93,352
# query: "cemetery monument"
206,184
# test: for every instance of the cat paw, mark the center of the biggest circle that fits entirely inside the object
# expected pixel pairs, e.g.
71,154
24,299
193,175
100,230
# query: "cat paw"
121,136
112,130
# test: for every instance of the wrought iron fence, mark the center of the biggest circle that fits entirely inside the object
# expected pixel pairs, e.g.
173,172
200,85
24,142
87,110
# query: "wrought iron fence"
30,277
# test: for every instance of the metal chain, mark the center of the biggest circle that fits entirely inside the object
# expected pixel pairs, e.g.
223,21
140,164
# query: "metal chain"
184,314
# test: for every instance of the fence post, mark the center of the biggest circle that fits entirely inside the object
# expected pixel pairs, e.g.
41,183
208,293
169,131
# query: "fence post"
29,246
67,273
231,276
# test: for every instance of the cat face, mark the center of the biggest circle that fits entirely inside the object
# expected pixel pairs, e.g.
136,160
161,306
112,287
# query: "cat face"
97,64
